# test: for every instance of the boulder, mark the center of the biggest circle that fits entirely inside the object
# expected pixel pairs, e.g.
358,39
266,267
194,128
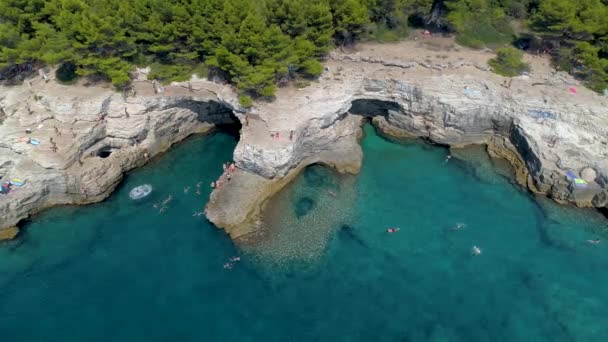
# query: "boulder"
588,174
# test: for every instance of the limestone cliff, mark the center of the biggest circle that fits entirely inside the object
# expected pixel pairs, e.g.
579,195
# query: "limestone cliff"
91,135
554,138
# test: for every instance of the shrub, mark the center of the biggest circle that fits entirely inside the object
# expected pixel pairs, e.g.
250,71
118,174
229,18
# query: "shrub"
508,62
66,73
167,73
312,68
383,34
245,101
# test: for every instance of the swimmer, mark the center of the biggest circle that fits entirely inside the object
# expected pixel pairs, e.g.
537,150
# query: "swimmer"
198,185
392,230
594,241
447,159
233,259
198,192
476,250
332,193
458,226
186,189
228,265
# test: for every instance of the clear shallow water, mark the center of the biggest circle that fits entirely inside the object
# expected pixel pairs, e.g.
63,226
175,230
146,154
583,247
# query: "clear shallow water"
121,271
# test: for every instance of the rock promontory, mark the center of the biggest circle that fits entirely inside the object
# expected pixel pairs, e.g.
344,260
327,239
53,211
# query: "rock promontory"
552,130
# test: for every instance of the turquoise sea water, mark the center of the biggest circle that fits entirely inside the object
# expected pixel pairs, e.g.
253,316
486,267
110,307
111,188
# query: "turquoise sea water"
326,269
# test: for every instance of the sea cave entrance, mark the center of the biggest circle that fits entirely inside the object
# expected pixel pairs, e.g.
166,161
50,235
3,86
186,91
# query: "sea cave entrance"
219,114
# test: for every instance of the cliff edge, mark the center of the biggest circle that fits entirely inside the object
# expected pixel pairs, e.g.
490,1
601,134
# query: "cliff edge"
554,131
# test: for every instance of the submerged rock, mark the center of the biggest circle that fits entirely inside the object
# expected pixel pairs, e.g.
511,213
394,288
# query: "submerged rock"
303,206
8,233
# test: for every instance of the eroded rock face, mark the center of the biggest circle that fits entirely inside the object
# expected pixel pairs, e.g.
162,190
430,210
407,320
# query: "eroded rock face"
533,122
551,136
98,135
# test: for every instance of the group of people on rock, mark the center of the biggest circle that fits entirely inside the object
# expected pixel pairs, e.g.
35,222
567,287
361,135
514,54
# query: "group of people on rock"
226,176
277,135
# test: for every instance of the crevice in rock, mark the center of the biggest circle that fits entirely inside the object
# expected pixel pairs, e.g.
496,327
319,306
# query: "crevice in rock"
215,113
372,107
603,211
104,152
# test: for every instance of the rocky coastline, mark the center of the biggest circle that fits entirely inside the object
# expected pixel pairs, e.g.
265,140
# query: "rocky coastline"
90,136
556,141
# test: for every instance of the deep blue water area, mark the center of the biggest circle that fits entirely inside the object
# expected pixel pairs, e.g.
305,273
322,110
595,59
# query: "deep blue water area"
326,269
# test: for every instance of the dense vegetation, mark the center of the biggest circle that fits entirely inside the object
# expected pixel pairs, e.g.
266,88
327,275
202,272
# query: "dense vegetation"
508,62
257,43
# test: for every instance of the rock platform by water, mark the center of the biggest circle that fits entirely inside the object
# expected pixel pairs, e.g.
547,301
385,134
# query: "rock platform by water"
428,89
91,154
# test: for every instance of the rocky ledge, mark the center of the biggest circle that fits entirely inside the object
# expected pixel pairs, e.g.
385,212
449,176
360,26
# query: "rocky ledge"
550,128
90,135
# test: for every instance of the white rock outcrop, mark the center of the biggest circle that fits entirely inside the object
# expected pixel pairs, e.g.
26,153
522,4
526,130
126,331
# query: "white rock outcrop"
90,136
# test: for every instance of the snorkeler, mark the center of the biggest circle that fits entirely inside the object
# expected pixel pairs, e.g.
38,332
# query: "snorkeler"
476,250
458,226
392,230
594,241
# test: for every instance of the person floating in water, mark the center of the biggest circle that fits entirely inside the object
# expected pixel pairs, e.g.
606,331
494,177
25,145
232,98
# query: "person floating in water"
332,193
235,258
186,189
594,241
447,159
228,266
458,226
392,230
476,251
